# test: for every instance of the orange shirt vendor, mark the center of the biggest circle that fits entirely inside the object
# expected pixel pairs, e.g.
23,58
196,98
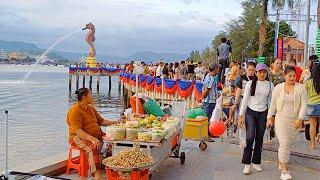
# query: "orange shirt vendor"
84,129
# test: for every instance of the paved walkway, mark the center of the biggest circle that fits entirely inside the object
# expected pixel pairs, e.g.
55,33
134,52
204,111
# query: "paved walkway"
221,161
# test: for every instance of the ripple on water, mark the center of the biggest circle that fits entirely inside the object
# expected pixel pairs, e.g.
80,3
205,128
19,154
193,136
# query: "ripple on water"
37,110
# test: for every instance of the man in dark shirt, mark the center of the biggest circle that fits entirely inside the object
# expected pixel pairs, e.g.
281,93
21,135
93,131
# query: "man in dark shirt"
191,68
223,51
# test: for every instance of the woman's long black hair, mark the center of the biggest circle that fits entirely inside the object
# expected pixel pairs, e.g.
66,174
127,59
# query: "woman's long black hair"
254,84
289,69
254,79
315,75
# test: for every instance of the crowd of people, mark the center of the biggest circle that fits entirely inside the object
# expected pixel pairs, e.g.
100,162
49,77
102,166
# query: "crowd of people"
283,97
98,65
187,70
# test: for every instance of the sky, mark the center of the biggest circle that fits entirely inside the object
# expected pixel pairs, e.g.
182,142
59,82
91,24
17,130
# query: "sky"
123,27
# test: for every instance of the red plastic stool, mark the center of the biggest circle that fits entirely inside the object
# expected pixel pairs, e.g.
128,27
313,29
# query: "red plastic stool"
135,175
79,163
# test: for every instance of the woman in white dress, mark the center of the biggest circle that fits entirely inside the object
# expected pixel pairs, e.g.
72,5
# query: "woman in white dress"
288,104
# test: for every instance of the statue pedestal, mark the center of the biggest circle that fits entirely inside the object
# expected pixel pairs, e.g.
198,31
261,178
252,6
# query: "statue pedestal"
92,62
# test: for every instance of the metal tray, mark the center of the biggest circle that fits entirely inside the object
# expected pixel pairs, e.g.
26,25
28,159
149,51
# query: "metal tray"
129,169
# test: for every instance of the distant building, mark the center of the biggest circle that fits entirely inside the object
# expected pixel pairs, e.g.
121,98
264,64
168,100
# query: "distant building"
3,54
17,55
293,49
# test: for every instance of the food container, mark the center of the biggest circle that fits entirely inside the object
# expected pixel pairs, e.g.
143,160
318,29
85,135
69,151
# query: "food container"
116,133
132,123
131,134
145,136
157,135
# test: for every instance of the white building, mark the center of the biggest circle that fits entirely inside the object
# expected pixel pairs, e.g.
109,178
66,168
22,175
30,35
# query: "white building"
3,54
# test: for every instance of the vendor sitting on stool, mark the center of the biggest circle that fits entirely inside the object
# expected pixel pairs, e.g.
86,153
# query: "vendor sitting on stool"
84,129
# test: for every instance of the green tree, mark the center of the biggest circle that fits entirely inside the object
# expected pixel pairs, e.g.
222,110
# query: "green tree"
280,4
243,32
284,31
262,28
195,56
208,54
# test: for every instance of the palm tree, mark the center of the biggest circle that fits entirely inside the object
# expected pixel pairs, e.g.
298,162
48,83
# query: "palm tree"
280,4
262,29
277,5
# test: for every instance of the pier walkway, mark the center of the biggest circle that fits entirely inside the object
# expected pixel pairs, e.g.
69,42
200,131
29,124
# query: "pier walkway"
221,161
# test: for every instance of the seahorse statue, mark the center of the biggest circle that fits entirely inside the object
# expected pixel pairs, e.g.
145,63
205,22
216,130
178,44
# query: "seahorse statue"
91,38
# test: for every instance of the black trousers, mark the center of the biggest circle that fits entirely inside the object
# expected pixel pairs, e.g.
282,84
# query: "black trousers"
224,63
255,127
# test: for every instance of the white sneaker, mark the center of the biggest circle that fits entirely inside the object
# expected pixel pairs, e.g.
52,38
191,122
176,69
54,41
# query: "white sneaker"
257,167
285,175
246,169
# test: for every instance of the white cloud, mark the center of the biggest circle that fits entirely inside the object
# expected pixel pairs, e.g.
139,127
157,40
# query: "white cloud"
190,1
122,26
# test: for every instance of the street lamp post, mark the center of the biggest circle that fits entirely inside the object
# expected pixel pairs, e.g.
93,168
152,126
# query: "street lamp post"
306,37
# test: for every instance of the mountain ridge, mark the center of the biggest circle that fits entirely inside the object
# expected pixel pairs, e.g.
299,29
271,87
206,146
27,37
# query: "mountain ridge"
148,56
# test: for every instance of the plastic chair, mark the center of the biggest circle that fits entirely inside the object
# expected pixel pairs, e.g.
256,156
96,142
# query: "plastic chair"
79,163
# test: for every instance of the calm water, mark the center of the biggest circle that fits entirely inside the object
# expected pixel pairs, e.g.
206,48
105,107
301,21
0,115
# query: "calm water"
37,111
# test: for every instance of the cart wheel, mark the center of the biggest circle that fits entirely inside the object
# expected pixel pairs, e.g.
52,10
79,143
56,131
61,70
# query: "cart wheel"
203,146
182,158
176,153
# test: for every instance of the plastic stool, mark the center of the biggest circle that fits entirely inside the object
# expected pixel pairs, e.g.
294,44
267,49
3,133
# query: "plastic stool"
135,175
79,163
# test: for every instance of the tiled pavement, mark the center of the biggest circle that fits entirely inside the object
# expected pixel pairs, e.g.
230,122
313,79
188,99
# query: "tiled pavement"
221,161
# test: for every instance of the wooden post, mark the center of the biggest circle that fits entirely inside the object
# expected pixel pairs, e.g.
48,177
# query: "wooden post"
77,82
90,83
125,98
193,100
70,82
98,83
84,81
109,84
123,89
137,91
162,92
119,86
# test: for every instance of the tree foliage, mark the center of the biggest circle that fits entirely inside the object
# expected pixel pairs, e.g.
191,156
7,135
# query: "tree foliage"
243,32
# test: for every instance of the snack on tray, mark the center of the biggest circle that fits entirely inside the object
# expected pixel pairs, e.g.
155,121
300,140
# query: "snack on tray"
132,123
157,135
132,134
144,136
129,159
116,133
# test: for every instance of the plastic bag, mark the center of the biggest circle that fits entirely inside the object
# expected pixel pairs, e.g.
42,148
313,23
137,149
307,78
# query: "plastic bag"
242,137
193,113
152,107
217,113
